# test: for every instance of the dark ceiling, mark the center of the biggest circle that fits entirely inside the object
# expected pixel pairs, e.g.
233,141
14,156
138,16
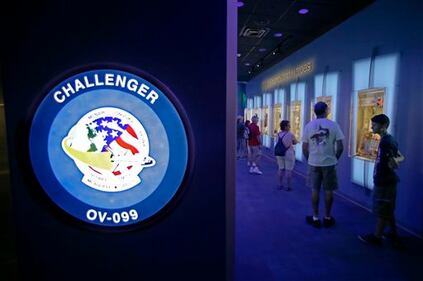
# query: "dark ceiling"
259,21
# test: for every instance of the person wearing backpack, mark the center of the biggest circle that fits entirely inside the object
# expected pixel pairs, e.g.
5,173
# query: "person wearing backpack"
285,155
385,184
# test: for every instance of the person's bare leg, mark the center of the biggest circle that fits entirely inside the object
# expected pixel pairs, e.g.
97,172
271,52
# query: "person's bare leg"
328,203
288,176
315,202
281,174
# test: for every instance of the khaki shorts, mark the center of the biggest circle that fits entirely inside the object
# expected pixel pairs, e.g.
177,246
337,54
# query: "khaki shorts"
286,162
322,176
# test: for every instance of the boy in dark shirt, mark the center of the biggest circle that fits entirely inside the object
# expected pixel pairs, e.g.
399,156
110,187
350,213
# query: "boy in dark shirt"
385,184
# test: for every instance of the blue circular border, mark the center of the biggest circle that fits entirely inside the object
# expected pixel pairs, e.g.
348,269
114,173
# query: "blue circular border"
179,136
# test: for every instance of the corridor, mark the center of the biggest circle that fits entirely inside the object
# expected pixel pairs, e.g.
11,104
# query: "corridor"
273,241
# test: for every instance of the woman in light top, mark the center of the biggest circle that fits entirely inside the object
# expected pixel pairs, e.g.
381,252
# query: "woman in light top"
286,163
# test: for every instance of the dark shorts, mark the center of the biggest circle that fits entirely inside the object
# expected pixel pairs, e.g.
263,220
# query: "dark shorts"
322,176
384,200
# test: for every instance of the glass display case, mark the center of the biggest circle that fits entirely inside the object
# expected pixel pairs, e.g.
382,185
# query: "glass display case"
257,112
265,120
370,103
248,113
325,99
295,118
254,112
277,118
328,101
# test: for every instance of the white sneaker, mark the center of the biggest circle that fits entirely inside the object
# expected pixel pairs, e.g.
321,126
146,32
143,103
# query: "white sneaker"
257,171
248,164
251,169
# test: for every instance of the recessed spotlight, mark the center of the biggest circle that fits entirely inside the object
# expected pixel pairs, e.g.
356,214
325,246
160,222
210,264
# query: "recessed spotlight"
276,51
262,50
303,11
277,34
238,55
239,4
247,64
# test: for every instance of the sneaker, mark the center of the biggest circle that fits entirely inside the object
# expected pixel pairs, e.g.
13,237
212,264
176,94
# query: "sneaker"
311,221
248,164
328,222
257,171
251,169
389,236
395,241
371,239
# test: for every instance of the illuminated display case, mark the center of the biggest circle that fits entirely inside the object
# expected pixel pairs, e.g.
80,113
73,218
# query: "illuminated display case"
325,99
328,101
265,120
374,92
277,118
295,118
248,113
297,110
370,103
326,90
256,112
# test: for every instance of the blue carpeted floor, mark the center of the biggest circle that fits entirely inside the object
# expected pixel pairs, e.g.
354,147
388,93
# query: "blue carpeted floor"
273,242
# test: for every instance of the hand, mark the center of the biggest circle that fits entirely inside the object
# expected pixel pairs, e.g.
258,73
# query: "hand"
392,164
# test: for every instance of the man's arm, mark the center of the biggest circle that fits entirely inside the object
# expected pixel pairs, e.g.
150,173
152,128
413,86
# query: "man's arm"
305,150
339,148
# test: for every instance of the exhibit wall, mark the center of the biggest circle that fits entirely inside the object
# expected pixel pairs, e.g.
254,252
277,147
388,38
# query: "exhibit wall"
381,48
52,40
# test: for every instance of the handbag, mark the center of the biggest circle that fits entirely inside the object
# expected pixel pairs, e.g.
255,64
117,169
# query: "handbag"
280,148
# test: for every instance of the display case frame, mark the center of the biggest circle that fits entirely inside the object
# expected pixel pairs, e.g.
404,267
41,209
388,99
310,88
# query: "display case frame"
277,117
366,104
265,120
295,117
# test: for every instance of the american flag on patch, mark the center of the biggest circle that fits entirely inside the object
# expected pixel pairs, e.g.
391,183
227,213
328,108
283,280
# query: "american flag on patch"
116,137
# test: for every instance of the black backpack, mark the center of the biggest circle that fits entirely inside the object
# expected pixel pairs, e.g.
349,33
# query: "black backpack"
280,148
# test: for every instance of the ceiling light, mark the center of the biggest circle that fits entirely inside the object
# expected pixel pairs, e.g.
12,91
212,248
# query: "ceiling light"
277,50
239,4
238,55
247,64
262,50
277,34
303,11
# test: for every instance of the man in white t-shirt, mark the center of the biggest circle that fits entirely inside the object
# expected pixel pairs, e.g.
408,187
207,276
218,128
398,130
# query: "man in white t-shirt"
322,147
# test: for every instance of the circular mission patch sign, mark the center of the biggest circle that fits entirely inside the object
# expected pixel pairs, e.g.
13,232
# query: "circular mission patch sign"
110,147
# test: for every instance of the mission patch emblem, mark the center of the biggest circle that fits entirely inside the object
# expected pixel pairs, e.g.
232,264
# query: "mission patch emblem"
110,147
